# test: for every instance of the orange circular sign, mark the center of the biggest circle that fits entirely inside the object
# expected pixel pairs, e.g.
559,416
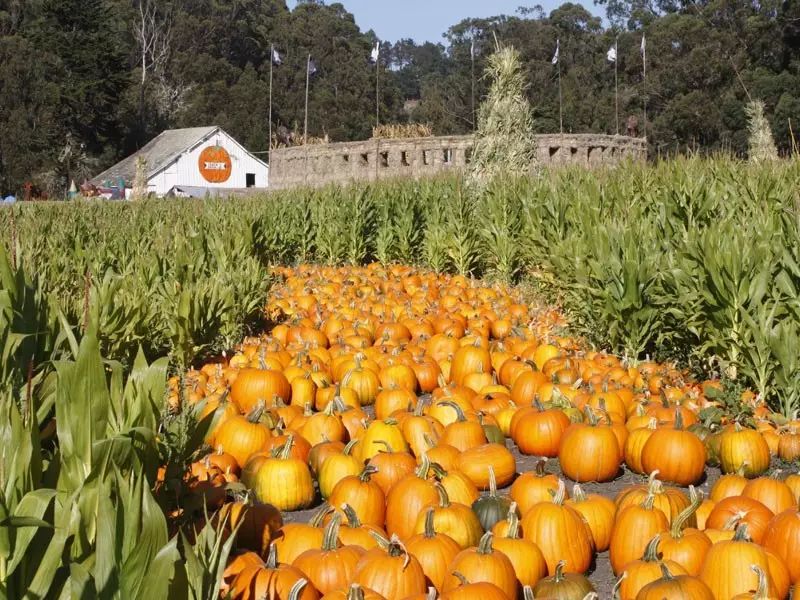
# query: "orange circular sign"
215,164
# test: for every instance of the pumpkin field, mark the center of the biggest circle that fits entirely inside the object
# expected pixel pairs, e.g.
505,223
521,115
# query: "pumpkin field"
581,385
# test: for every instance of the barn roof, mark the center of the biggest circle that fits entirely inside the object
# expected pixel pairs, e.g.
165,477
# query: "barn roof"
159,152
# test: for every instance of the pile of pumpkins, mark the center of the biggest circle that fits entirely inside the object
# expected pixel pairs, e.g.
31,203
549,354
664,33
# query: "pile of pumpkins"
386,397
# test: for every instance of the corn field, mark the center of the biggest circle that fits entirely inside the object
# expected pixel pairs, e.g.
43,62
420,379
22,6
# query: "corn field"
691,260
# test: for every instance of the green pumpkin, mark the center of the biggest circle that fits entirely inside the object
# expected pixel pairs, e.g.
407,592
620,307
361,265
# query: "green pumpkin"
491,508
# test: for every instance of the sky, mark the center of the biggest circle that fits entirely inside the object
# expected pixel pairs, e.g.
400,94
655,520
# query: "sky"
427,20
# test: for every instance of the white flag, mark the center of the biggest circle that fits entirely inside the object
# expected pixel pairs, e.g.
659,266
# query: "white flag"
276,58
558,49
611,55
472,49
312,67
376,52
644,45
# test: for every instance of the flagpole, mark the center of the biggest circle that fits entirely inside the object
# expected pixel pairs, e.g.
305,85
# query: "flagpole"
616,85
644,81
560,101
377,90
472,57
271,64
305,123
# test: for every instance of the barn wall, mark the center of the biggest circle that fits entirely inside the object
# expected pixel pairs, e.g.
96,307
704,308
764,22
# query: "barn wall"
186,171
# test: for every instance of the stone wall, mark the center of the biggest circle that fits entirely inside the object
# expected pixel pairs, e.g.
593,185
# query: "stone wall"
371,160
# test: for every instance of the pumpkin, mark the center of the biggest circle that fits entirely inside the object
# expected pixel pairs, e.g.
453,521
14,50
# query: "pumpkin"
669,587
242,437
279,479
291,540
599,513
761,591
324,426
669,500
783,538
462,434
353,592
686,546
363,495
470,359
406,500
635,526
434,551
255,522
639,573
483,564
390,400
771,492
390,467
378,435
355,533
319,452
635,444
363,381
331,566
476,462
272,580
590,451
740,509
482,590
259,385
678,455
525,556
560,533
491,508
336,467
563,585
745,450
453,519
533,487
729,485
421,431
540,431
726,570
391,571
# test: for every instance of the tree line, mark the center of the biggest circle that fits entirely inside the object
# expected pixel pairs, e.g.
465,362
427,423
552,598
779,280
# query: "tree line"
86,82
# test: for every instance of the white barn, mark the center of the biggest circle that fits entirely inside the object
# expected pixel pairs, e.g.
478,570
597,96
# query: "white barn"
197,161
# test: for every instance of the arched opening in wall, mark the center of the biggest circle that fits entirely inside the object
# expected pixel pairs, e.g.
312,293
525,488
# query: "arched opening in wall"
384,157
468,155
426,157
365,159
404,159
447,156
554,150
346,159
573,151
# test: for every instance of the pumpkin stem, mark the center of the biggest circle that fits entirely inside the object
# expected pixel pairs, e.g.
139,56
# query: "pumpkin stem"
460,416
676,529
356,592
648,502
678,419
775,474
367,473
254,416
741,535
424,467
430,532
419,408
461,579
324,510
396,548
527,593
352,517
444,498
615,593
590,416
537,404
492,483
651,550
665,574
431,594
578,495
387,447
560,493
539,468
272,556
349,447
761,590
513,522
485,545
294,592
559,574
330,539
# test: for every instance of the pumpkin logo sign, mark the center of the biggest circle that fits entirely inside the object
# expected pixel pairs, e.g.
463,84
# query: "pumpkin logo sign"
215,164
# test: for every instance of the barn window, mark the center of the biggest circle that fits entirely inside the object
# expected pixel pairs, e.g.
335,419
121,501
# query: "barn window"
250,180
468,155
447,156
384,159
404,158
365,158
426,157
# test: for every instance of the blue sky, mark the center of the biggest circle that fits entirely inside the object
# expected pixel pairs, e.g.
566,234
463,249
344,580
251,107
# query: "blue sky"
427,20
